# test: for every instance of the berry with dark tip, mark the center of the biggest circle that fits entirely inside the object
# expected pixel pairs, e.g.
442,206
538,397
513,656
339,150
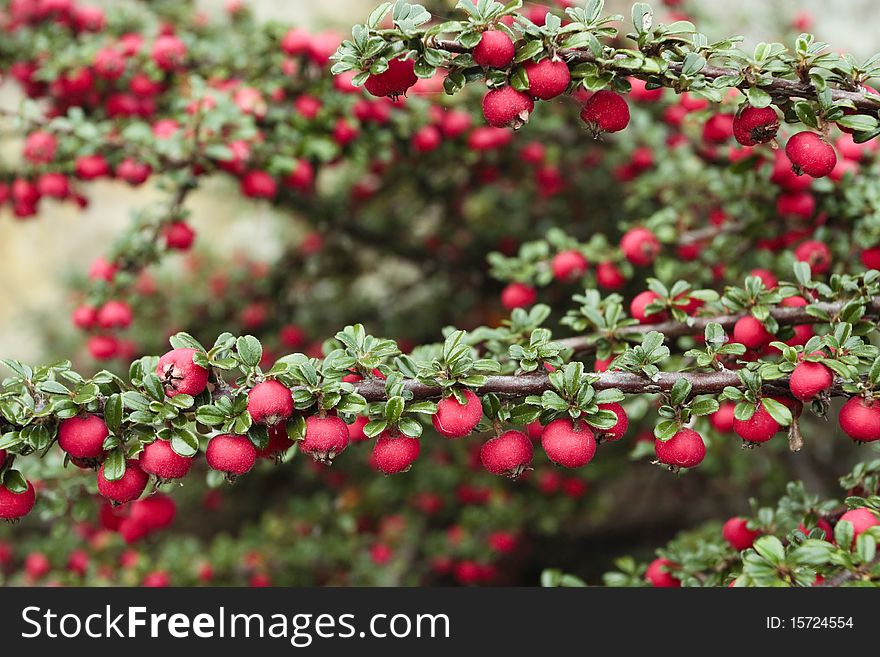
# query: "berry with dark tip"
685,449
547,78
180,375
616,432
738,535
270,402
326,438
395,453
395,81
506,107
568,443
860,419
605,111
234,455
810,154
640,246
455,420
759,428
508,454
755,125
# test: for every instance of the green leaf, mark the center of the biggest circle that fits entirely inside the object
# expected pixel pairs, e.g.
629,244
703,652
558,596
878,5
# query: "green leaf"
210,415
249,350
113,412
114,465
771,549
778,411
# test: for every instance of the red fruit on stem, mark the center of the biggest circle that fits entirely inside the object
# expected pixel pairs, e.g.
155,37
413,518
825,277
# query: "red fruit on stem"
395,81
326,438
259,184
83,437
809,380
548,78
861,519
179,236
158,579
722,419
158,458
279,443
659,574
394,454
810,154
609,276
270,402
605,111
85,317
759,428
616,432
508,454
518,295
495,50
569,265
455,420
180,375
640,246
506,107
871,257
737,533
154,512
860,419
750,331
234,455
568,443
822,525
115,315
685,449
755,125
816,254
638,308
16,505
125,489
718,129
168,52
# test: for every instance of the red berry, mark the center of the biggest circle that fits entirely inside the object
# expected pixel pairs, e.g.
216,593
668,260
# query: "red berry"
83,437
234,455
296,42
326,438
115,314
605,111
638,308
158,579
506,107
508,454
722,419
871,257
179,236
125,489
548,78
862,519
78,562
640,246
568,443
133,172
738,534
103,347
816,254
89,167
755,125
427,139
569,265
750,331
302,178
180,375
495,50
609,276
798,205
168,52
718,128
37,565
685,449
54,185
759,428
40,147
616,432
395,81
85,317
809,380
518,295
393,454
258,184
158,458
659,574
455,420
16,505
154,512
270,402
860,419
810,154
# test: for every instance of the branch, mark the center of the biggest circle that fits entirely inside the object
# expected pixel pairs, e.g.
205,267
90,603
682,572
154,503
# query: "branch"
673,329
779,88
